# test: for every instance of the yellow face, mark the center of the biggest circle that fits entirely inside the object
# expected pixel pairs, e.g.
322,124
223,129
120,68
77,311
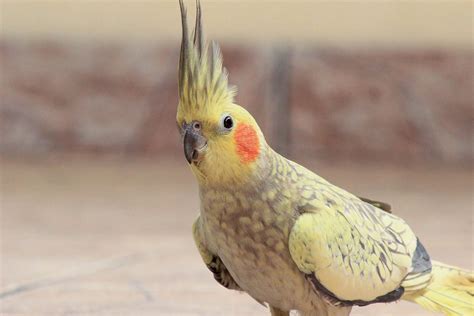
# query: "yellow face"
221,146
222,141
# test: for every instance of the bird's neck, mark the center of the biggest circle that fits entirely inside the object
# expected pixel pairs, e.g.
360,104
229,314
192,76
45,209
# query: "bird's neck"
268,170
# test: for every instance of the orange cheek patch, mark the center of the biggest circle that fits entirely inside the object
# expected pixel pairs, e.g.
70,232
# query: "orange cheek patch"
246,140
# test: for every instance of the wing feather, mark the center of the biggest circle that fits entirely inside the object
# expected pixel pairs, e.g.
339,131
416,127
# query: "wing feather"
353,249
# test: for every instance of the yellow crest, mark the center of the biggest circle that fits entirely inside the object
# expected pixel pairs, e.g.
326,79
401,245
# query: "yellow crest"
203,84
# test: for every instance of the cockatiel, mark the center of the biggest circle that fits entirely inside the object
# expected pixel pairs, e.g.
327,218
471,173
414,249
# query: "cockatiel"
279,232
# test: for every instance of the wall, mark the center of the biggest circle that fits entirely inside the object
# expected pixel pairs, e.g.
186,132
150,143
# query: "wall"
365,81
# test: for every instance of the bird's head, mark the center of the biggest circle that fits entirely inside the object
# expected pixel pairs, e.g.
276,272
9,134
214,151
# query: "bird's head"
222,141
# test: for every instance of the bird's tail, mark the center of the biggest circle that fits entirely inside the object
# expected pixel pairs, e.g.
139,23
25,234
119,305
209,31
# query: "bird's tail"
448,290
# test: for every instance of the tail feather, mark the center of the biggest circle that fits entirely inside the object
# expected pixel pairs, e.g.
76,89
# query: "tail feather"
450,290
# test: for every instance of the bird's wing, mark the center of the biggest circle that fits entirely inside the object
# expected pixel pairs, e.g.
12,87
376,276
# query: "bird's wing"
381,205
351,251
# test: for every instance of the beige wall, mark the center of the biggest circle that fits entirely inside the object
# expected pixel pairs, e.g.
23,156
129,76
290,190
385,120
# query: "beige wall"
433,23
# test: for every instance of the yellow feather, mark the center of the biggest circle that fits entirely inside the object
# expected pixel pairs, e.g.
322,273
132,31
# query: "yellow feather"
203,84
451,291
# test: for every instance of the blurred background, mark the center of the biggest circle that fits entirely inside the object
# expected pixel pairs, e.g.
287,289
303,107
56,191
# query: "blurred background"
96,198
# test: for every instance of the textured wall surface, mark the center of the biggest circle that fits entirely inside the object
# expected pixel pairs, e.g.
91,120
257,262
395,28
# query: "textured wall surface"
376,105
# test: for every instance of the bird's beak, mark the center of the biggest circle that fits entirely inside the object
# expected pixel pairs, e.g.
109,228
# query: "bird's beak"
194,145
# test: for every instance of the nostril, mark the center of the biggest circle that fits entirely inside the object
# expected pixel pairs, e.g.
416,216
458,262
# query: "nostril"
197,126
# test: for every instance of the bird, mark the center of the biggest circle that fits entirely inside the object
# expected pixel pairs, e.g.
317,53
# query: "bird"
275,230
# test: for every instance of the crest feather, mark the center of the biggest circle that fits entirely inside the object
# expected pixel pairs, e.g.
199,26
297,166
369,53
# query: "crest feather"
202,81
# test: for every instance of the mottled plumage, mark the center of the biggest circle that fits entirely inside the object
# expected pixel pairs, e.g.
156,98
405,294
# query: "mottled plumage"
282,234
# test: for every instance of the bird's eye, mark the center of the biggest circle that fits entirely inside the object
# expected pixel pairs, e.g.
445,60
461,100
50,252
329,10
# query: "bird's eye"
228,122
197,126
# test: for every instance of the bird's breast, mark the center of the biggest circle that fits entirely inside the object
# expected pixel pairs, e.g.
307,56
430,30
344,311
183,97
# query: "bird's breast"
250,235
